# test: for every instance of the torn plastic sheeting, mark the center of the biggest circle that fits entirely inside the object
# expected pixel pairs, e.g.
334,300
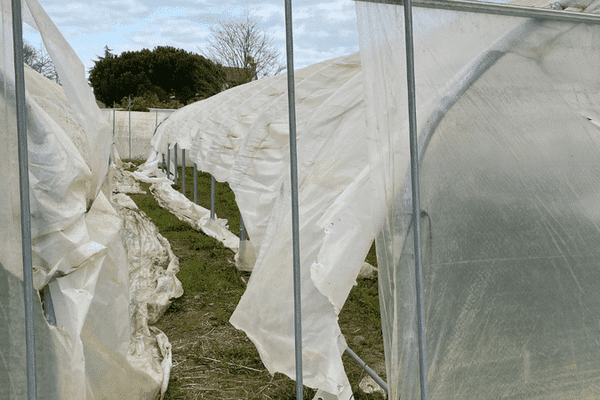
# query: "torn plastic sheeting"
82,101
333,149
252,144
195,215
261,164
245,255
227,130
124,181
77,244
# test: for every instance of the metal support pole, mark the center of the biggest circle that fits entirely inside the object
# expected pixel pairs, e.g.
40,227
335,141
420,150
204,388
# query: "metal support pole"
28,290
163,162
212,197
168,161
129,128
368,369
416,206
289,39
183,171
509,10
114,121
195,183
176,166
242,229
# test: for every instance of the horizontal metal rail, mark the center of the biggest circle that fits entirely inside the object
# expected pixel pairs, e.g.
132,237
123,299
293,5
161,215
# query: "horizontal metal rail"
509,10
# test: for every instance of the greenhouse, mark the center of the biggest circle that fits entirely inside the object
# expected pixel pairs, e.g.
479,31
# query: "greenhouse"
463,138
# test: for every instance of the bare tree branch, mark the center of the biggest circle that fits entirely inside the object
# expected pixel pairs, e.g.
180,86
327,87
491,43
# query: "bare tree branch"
244,50
40,61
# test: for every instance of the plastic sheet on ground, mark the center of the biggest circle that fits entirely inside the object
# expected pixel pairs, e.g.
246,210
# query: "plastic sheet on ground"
78,253
241,136
509,201
198,217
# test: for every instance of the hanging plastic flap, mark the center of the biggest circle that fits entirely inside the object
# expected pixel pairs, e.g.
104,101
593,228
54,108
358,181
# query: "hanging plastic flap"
510,239
77,247
246,143
72,74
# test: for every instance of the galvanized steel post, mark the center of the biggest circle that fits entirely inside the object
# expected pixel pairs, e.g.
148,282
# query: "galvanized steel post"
176,165
129,127
289,39
242,229
212,197
114,121
195,183
168,161
25,207
416,206
183,171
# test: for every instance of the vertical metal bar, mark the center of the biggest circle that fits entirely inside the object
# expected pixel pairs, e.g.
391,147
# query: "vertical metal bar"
195,183
367,369
156,119
129,128
289,39
242,229
114,121
25,207
212,197
416,202
168,160
163,162
183,171
176,166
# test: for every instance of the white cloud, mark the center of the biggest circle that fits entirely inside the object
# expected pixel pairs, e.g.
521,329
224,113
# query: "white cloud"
322,29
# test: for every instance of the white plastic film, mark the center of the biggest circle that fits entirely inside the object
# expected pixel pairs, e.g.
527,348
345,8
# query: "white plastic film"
242,136
76,238
135,128
508,168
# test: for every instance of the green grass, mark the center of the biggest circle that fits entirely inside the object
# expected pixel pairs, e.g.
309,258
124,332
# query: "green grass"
213,360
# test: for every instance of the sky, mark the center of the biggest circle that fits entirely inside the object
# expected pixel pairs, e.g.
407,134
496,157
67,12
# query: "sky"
323,29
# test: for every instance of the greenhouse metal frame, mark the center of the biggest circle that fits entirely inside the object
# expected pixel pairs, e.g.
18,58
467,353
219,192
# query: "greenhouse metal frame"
467,6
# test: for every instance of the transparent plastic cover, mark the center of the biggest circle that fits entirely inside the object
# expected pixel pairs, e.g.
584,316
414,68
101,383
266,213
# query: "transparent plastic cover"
510,186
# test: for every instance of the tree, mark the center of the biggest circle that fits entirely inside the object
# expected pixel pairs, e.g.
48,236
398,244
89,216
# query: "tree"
173,76
40,61
245,50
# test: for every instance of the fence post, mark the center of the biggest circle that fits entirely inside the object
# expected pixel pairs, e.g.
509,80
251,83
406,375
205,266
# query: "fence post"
242,229
129,128
175,158
212,197
183,171
168,160
195,183
114,120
